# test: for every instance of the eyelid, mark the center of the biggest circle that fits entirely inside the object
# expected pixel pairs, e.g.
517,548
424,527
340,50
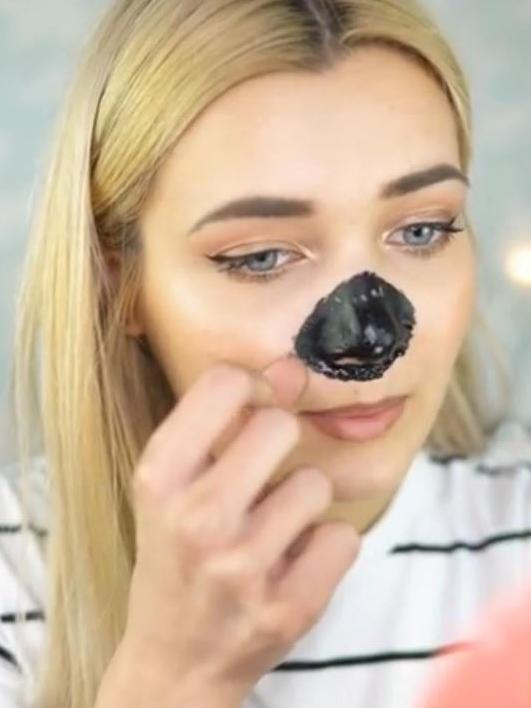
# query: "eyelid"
448,231
446,222
250,248
427,216
249,254
236,264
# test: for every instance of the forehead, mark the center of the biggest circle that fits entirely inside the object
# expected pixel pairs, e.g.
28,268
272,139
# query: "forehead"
341,134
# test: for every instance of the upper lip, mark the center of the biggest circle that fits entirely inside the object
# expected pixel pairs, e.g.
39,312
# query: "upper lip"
359,408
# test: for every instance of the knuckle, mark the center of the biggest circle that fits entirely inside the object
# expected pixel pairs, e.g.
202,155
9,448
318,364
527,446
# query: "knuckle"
197,525
234,570
142,483
275,625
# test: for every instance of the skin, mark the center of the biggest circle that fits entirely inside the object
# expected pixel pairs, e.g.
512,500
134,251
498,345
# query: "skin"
337,139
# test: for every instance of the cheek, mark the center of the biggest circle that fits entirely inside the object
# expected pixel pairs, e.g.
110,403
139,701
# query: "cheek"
445,311
191,328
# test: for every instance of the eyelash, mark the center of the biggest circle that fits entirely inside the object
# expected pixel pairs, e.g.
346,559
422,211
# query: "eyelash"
234,264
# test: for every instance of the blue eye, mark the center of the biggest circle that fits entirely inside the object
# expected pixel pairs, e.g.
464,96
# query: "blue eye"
422,239
243,266
425,238
265,260
420,234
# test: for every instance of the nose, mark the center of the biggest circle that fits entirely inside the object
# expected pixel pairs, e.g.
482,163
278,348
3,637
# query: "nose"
358,331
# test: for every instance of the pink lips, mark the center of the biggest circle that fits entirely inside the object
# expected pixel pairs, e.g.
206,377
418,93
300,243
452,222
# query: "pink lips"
358,423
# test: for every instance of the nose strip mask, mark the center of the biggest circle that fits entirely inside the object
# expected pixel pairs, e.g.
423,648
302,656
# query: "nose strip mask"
364,319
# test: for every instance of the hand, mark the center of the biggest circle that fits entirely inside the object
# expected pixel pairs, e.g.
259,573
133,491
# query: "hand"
225,581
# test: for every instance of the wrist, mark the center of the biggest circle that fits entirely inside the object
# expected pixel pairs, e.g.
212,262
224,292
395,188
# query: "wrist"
131,681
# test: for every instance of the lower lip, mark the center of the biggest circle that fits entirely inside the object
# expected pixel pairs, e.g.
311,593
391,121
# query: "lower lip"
358,428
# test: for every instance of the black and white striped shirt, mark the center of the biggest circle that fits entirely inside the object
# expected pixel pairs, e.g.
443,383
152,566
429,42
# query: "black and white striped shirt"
456,536
23,583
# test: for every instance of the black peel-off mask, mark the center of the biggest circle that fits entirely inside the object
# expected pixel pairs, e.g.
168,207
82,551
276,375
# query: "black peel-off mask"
364,319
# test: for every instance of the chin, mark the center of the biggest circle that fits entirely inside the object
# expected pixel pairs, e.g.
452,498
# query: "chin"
362,470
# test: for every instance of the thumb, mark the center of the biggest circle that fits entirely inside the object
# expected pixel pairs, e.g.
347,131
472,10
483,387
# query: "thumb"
289,378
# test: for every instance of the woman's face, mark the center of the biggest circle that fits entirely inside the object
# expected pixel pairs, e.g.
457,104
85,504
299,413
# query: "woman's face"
336,140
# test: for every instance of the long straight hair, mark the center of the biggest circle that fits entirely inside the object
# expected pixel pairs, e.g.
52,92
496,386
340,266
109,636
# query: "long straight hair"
89,394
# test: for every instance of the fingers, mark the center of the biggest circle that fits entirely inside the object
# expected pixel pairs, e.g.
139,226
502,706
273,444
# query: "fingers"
288,377
180,446
238,477
329,553
282,517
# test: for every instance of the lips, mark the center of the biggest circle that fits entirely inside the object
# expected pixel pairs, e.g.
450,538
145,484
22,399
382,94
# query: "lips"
358,423
360,409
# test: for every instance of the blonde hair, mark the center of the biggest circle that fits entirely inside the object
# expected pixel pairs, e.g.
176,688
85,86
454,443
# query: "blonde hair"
94,394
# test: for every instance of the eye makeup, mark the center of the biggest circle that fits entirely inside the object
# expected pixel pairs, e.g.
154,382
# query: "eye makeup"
234,265
241,266
447,230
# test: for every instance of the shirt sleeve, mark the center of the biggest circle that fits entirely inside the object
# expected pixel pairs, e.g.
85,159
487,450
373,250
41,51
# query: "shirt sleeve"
22,584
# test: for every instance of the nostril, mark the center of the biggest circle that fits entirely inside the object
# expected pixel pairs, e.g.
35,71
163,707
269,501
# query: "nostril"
358,331
349,360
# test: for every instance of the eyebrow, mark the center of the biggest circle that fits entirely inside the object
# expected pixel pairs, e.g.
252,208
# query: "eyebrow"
267,207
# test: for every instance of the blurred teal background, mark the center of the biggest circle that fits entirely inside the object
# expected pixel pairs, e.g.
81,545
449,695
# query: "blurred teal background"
39,45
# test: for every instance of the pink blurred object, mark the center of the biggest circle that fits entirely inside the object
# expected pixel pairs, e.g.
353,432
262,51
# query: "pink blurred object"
496,673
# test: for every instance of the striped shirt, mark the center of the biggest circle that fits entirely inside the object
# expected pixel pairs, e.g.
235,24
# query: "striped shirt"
456,536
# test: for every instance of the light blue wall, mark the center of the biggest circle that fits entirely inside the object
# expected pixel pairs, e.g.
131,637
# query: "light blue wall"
39,43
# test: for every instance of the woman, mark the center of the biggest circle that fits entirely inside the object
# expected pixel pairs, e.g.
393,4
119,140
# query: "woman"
255,211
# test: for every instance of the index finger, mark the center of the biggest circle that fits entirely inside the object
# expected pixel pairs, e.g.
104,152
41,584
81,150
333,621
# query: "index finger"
289,378
180,447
